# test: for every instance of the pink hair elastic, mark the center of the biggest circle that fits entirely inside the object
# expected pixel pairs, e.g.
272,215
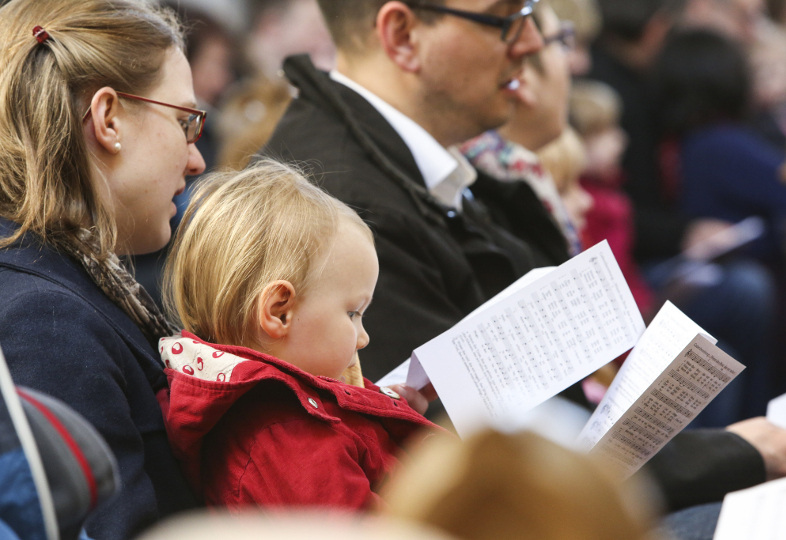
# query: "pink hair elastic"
40,34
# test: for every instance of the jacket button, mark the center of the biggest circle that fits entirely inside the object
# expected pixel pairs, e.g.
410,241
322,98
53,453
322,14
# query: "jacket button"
388,392
313,402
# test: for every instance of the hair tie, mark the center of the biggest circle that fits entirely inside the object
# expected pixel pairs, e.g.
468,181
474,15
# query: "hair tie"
40,34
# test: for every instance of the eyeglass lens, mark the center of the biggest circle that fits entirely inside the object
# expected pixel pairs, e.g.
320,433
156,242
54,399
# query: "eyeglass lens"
513,31
193,127
565,37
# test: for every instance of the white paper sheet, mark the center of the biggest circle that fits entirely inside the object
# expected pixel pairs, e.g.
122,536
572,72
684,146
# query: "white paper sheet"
754,513
545,333
520,350
776,411
665,337
676,395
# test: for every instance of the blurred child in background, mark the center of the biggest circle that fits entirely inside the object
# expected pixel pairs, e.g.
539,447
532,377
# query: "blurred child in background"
595,110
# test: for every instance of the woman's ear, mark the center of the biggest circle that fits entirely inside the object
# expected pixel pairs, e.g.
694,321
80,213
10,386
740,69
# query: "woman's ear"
395,23
105,118
274,308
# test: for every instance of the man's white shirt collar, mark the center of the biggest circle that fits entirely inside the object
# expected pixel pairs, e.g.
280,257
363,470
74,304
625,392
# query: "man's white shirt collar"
446,172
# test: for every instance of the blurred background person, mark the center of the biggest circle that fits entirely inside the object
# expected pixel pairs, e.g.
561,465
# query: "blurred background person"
586,20
732,300
724,170
595,109
280,28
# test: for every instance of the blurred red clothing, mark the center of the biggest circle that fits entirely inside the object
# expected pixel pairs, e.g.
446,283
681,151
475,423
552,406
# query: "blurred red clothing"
611,218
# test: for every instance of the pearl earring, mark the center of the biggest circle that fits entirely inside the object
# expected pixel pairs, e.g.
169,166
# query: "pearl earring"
117,146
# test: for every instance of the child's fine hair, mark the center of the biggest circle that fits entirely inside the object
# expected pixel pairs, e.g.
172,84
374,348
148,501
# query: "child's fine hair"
564,158
594,107
241,231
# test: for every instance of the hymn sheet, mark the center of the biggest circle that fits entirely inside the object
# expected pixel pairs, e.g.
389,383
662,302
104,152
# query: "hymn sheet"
670,376
755,512
532,341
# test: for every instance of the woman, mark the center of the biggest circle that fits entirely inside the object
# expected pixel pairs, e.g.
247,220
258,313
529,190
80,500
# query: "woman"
715,164
96,138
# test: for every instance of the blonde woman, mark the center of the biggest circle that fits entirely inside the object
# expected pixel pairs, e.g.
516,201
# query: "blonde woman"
97,127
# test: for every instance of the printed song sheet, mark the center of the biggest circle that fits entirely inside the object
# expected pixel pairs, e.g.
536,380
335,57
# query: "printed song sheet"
665,337
755,512
414,376
518,351
658,391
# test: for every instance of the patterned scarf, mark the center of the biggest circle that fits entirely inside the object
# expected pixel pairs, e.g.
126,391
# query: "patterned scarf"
121,287
511,162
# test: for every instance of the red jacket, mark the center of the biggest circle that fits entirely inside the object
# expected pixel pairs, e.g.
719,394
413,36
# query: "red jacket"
252,429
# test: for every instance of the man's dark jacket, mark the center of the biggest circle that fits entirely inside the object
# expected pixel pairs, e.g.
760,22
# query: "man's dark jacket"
437,265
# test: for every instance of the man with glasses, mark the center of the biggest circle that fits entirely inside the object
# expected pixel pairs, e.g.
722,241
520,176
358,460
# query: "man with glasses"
412,80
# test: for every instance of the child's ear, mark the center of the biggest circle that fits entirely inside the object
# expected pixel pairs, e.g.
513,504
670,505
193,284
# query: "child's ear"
275,308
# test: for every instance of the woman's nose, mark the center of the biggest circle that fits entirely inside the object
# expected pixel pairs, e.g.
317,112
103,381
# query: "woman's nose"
196,163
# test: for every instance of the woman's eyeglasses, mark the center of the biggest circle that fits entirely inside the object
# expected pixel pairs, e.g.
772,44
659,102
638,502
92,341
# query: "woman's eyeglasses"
192,126
566,36
510,26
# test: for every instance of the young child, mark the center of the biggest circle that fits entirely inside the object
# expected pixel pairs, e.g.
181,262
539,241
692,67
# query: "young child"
270,277
565,158
595,110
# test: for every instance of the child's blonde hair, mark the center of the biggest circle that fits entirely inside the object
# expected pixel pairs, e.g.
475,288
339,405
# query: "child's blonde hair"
594,107
564,158
241,231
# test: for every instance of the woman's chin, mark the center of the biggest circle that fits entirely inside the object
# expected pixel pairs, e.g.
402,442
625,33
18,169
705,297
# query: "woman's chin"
147,245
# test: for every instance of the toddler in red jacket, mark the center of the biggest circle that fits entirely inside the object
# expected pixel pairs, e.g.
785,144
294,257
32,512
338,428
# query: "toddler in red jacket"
270,277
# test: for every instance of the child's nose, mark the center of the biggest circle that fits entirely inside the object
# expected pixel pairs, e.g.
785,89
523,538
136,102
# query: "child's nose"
363,338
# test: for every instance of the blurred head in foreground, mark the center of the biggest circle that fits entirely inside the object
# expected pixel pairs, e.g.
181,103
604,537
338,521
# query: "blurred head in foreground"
522,486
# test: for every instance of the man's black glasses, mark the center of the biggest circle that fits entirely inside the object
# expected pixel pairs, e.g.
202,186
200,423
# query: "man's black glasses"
510,26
